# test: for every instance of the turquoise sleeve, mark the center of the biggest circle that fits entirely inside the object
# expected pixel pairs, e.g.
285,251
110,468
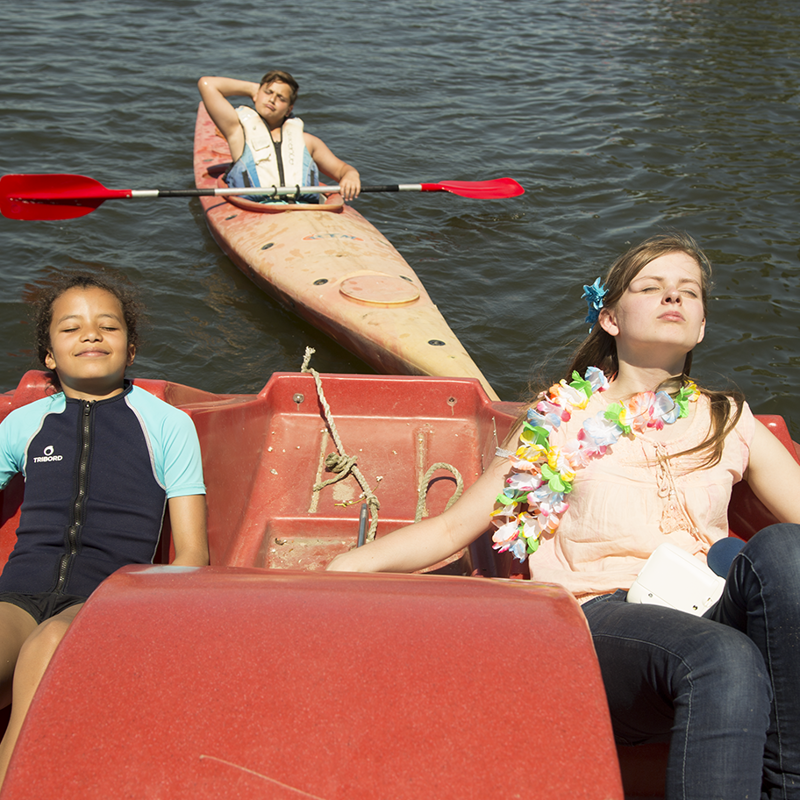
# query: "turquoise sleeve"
183,464
8,465
177,461
18,428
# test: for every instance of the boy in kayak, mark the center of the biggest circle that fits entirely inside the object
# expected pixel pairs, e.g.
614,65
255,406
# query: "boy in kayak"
269,146
102,460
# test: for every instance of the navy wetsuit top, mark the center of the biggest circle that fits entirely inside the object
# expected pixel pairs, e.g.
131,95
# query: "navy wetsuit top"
97,478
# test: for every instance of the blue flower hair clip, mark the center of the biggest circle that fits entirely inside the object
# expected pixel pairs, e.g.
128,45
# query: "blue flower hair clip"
594,295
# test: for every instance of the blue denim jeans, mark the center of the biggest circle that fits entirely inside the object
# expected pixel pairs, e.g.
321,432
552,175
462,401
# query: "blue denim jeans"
723,689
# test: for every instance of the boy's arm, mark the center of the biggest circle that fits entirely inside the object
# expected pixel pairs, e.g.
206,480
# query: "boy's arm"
343,173
187,517
215,92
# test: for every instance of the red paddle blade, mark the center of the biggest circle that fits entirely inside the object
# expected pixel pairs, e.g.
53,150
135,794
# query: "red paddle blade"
482,190
48,197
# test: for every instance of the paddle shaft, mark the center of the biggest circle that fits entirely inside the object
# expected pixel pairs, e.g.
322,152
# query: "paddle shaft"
266,191
64,196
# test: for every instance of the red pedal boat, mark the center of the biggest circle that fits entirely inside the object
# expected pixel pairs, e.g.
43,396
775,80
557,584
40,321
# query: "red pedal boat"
263,676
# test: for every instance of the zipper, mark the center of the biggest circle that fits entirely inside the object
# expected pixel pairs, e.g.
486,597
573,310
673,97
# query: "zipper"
76,521
281,176
277,144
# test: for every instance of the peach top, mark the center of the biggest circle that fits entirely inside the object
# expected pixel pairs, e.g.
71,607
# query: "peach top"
629,501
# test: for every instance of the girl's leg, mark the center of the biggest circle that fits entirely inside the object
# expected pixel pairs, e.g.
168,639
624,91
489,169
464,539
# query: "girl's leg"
702,686
33,659
16,625
762,598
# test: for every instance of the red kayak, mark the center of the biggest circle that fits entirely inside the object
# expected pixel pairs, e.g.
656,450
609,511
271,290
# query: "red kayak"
330,266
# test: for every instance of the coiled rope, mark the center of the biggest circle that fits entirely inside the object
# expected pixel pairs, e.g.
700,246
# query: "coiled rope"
342,465
423,488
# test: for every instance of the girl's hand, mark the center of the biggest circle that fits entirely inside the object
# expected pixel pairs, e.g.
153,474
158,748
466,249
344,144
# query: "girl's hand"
432,540
341,563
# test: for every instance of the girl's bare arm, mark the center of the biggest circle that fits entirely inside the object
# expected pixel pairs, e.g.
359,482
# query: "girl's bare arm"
187,517
774,475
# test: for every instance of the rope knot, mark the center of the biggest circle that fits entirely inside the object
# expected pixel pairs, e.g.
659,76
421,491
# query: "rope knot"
340,463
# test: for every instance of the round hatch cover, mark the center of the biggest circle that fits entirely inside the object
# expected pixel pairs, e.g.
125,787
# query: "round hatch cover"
379,289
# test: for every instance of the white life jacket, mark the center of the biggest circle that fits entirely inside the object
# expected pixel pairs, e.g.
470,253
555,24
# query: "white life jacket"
259,161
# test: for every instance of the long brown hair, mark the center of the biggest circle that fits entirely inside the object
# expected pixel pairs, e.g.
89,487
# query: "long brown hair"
599,348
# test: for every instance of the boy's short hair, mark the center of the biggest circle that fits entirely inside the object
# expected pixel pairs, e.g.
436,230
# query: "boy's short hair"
282,77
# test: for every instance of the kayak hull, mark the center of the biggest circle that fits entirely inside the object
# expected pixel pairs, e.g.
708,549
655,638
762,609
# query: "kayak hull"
334,269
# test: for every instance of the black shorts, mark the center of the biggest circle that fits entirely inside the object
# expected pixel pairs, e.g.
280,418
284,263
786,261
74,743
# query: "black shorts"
43,605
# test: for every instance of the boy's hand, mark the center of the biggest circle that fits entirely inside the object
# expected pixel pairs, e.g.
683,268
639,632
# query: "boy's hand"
350,184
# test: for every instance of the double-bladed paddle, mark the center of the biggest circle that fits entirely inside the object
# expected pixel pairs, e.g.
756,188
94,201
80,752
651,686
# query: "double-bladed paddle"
64,196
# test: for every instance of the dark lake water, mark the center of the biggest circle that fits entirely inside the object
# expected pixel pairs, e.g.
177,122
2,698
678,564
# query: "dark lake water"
619,118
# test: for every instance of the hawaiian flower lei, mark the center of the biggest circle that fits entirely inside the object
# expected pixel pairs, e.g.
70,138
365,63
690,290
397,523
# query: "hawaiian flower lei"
533,500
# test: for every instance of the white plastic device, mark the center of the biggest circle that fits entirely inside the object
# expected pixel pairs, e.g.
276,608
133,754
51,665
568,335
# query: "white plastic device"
674,578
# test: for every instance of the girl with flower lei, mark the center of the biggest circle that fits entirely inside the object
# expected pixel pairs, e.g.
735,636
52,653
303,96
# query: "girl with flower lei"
724,688
536,493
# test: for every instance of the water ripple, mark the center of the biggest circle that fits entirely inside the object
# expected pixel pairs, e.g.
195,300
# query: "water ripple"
619,118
